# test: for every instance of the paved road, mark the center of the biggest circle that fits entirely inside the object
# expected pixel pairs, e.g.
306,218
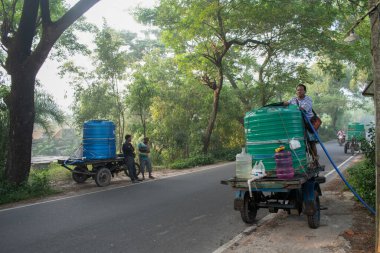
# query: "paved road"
338,156
187,213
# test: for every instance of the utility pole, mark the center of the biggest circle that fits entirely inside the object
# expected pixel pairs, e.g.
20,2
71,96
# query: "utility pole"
375,51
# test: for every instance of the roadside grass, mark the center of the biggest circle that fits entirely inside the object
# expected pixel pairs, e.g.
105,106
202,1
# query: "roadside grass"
40,184
201,159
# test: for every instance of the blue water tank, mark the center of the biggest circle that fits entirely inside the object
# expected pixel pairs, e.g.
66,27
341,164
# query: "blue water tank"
99,140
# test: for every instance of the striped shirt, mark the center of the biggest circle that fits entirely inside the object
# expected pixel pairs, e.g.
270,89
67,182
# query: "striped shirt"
306,104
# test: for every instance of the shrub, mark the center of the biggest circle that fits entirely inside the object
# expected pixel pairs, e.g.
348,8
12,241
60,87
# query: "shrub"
226,154
362,177
192,162
37,186
368,146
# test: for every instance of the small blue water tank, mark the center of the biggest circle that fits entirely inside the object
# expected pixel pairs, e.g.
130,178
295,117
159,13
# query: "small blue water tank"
99,140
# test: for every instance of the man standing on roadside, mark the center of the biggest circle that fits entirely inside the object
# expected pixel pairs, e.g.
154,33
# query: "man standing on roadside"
129,156
144,150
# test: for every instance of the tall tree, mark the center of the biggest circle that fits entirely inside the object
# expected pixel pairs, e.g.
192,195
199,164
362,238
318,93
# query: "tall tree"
27,42
111,63
203,33
375,50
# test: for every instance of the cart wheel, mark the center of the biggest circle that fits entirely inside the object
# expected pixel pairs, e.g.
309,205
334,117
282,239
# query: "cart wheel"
345,148
79,177
103,177
249,211
137,166
314,220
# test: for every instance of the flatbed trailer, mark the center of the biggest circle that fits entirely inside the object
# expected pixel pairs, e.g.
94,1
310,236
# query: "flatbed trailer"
101,170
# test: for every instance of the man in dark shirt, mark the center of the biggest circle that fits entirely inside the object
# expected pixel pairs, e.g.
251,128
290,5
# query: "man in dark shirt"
129,156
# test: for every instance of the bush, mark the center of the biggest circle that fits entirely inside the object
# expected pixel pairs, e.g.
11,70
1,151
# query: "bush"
362,177
37,186
192,162
226,154
368,146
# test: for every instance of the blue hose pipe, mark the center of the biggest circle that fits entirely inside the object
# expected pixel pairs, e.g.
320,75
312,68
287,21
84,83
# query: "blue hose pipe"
336,168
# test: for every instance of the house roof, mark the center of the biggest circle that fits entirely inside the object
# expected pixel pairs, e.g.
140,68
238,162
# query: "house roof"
368,90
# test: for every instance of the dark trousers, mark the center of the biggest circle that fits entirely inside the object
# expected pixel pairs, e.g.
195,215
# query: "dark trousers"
131,168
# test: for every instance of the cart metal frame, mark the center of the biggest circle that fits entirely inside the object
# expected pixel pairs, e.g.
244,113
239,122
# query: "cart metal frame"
100,170
300,193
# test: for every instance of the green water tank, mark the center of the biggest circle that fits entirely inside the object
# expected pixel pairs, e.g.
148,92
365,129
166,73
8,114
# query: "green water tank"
356,130
270,127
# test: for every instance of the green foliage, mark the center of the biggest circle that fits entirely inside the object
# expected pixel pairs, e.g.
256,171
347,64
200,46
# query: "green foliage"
362,177
46,110
37,186
4,126
192,162
369,146
227,154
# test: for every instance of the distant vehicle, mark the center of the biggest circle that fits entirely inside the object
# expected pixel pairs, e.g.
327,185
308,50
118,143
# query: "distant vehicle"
356,133
341,136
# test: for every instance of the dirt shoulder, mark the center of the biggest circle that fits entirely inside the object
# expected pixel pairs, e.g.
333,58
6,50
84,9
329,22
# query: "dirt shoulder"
362,233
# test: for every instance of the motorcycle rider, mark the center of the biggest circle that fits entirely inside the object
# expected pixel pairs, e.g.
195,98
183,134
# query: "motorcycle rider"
341,135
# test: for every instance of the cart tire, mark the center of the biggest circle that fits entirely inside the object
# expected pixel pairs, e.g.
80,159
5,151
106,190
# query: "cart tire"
103,177
314,220
249,211
345,148
138,170
79,177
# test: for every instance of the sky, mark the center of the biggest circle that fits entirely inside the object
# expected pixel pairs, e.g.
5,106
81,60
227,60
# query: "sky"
116,12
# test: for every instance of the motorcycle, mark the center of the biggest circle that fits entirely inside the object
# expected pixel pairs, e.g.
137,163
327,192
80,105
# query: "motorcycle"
341,139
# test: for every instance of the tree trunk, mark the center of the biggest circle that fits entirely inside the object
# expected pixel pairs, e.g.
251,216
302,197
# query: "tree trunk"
214,112
21,111
375,50
211,122
23,64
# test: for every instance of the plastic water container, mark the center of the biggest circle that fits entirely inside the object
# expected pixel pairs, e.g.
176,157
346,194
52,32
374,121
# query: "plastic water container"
269,127
243,165
284,165
99,140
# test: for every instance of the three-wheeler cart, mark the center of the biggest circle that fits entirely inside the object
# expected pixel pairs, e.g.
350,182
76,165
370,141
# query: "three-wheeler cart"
100,170
300,193
355,133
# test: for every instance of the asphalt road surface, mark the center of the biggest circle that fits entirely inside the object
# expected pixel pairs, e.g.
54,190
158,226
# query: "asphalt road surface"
186,213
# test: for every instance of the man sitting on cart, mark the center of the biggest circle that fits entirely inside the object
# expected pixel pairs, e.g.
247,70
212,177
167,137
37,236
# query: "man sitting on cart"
305,103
